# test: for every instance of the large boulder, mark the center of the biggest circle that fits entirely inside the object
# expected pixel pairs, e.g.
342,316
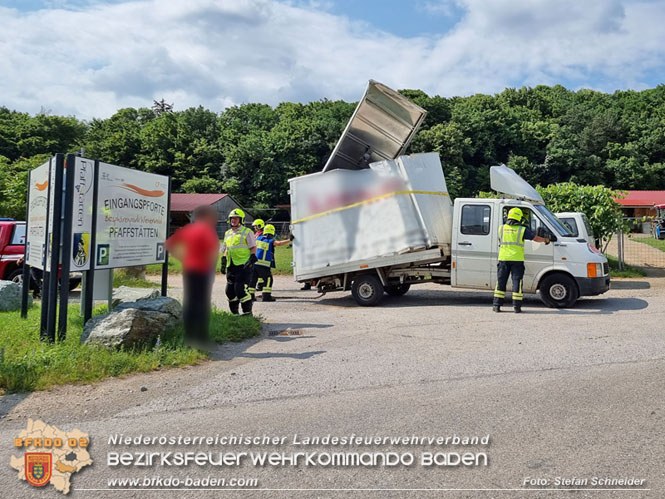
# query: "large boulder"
10,296
125,294
162,304
133,324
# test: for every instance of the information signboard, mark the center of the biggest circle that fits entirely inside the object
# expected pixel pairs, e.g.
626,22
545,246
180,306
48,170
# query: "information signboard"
132,217
82,197
37,215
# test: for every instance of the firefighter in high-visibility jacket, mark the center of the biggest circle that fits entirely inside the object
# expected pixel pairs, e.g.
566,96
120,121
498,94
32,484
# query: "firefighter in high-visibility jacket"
511,258
238,256
257,226
265,261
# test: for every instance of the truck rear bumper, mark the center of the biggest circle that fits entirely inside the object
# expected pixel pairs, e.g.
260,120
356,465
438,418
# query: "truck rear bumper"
591,286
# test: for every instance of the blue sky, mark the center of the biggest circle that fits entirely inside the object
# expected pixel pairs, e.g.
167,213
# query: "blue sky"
89,58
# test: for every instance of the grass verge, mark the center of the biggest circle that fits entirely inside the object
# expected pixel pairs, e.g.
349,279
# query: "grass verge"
28,364
654,243
227,327
628,270
120,278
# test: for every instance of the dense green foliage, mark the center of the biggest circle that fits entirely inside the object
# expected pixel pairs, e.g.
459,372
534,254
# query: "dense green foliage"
547,134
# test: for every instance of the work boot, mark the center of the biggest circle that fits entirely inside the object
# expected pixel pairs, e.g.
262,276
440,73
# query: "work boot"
496,308
268,297
247,307
234,306
306,287
518,309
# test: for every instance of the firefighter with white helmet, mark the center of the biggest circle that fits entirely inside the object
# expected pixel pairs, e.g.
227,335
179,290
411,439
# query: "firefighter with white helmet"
239,254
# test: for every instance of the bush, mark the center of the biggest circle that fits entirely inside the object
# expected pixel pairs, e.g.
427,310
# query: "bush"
597,202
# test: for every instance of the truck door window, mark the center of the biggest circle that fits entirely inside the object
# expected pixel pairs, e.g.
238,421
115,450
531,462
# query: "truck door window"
18,237
529,219
571,225
475,219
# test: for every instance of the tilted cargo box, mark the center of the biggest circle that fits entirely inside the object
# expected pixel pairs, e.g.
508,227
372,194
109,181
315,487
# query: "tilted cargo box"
343,219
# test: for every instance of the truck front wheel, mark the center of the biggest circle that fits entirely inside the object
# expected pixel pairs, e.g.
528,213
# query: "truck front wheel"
558,291
367,290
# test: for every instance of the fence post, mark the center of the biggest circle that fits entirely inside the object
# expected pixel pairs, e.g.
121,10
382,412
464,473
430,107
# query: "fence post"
620,249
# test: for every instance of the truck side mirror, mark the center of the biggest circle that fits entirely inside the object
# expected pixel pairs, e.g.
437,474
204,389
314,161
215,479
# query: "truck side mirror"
545,232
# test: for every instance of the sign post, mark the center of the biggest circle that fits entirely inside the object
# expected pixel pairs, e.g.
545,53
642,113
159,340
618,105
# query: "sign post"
25,289
90,273
54,246
165,266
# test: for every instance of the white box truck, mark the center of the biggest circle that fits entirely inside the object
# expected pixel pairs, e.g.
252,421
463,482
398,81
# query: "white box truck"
376,222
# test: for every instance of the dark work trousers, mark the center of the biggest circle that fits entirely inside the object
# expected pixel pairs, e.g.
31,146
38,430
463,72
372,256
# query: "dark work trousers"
36,277
261,273
196,303
237,287
516,271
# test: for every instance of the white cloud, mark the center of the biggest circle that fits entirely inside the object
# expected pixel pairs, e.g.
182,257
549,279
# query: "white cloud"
93,59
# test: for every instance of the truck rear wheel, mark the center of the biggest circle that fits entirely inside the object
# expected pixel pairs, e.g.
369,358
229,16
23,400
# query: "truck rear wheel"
398,290
367,290
558,291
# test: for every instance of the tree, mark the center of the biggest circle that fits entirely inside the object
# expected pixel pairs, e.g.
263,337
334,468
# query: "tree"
202,185
14,183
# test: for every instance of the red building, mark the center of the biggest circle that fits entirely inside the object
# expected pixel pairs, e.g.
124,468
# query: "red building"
641,203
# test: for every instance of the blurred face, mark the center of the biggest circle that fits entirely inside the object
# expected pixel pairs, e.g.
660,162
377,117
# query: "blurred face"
255,228
212,219
235,221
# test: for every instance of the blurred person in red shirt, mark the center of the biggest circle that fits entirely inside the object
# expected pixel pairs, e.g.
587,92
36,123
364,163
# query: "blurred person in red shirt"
196,245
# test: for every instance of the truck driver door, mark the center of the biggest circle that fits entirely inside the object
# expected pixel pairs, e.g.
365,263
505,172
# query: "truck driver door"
472,245
537,256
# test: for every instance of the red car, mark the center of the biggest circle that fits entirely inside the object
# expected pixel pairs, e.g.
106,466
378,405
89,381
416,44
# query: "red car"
12,242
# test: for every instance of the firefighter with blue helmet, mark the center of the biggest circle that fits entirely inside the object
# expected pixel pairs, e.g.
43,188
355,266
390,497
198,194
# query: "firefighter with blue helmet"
511,258
265,261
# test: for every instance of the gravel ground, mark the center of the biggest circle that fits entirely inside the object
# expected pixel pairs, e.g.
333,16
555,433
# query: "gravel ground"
562,393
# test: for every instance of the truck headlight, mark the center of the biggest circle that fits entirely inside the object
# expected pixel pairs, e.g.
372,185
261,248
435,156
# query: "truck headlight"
594,269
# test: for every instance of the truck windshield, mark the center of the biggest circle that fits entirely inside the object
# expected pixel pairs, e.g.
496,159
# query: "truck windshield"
554,221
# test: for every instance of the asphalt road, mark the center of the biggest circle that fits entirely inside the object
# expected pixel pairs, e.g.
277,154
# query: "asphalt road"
574,393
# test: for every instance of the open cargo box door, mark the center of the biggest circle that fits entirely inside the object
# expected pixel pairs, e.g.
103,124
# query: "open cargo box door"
380,128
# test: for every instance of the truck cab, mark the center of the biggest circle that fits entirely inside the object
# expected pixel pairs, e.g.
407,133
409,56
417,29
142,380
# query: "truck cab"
12,244
12,241
564,270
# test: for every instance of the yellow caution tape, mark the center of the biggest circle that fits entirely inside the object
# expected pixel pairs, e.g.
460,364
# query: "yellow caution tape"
366,201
